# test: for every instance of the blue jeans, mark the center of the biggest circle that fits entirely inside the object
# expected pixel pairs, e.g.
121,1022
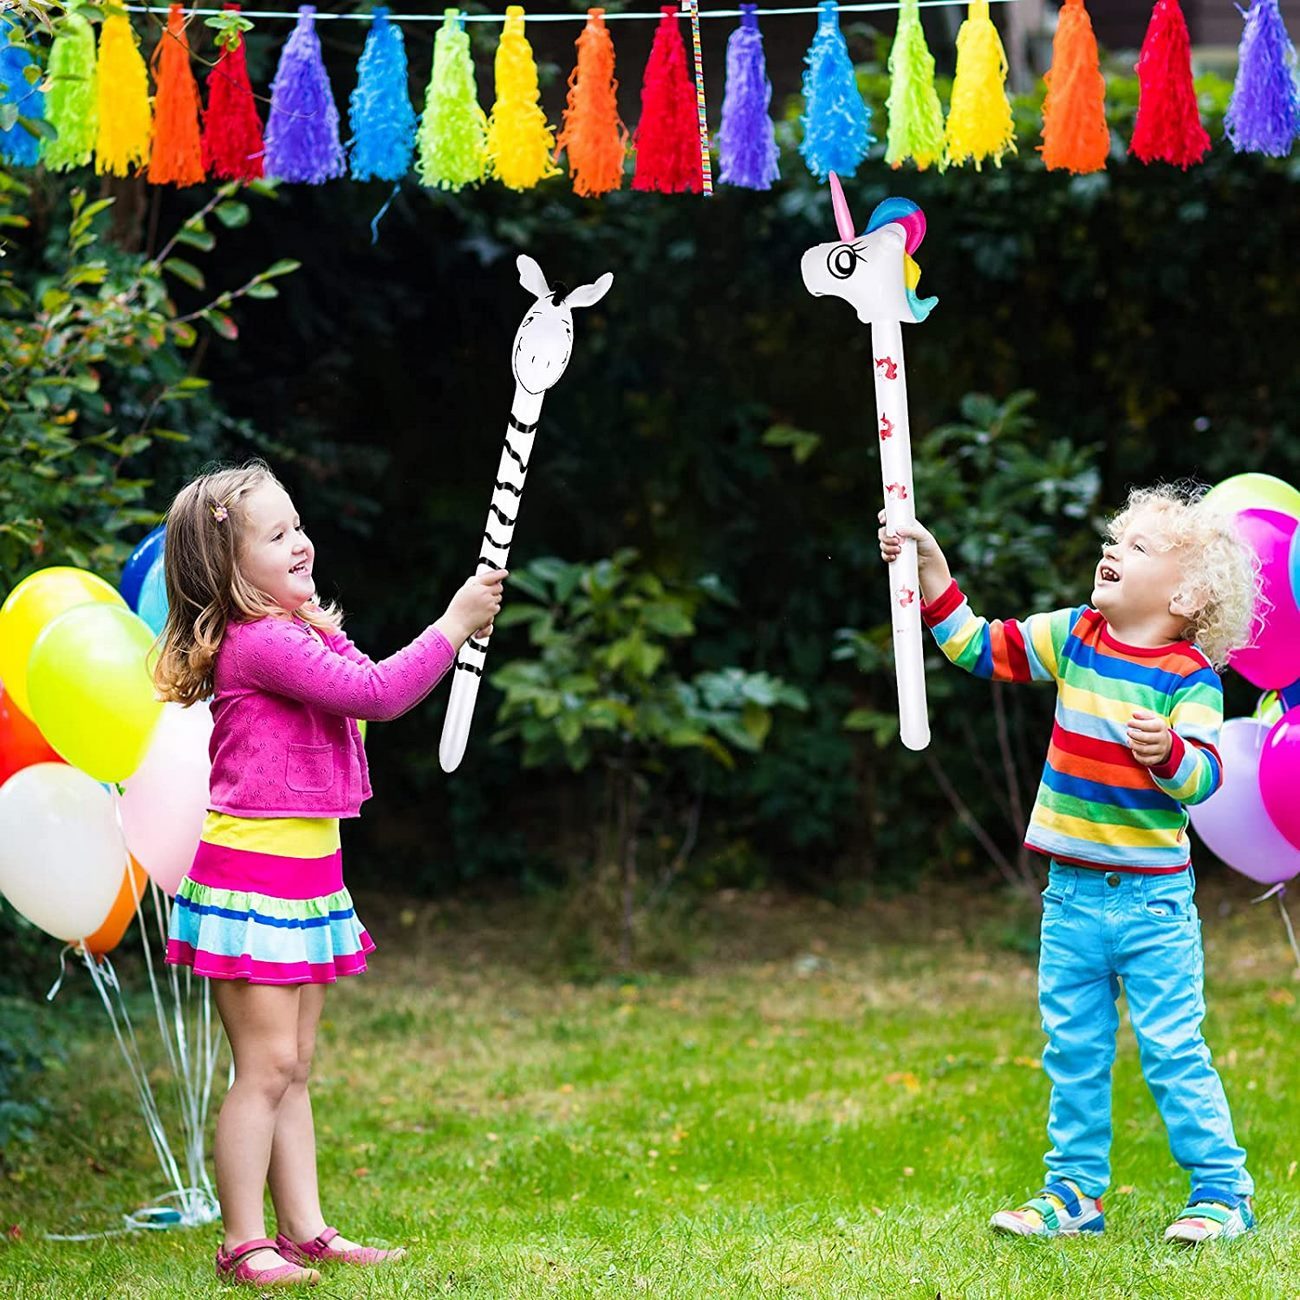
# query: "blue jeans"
1100,928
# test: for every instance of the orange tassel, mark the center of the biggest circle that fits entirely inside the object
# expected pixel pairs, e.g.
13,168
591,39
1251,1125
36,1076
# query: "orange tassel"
1075,135
594,136
177,157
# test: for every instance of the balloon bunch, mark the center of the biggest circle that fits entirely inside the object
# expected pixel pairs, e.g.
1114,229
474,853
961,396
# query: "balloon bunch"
1252,821
103,791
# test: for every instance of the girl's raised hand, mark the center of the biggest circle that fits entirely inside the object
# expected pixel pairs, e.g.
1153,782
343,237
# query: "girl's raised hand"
473,607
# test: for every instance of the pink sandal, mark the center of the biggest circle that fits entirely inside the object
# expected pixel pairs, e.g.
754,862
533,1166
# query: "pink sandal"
319,1251
233,1266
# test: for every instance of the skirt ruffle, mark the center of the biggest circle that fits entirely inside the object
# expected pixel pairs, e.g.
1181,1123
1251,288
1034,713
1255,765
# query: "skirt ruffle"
237,935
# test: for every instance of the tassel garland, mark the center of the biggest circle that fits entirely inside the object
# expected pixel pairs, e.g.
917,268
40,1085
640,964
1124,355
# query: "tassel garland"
70,103
836,120
1075,135
519,142
18,144
593,136
453,128
381,116
747,140
302,132
232,129
1168,127
668,134
979,118
1264,113
177,155
125,121
915,114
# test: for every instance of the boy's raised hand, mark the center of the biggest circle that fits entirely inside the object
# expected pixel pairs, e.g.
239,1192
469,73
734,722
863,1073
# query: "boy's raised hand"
931,564
1149,737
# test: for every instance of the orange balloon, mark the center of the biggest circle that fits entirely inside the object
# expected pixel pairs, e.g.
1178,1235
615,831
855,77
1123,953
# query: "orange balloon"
134,882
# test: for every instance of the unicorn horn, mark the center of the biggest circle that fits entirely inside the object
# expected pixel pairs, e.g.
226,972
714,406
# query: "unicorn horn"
843,217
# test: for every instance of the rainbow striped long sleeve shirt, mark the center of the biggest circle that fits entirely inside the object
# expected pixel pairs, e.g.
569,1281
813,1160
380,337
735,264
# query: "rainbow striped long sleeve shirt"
1097,806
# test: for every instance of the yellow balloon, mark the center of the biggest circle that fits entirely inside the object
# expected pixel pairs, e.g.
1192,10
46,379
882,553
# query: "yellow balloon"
1254,492
30,607
91,689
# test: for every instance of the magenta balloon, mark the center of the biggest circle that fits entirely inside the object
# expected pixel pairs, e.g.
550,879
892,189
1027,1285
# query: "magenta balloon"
1233,821
1274,660
1279,775
166,800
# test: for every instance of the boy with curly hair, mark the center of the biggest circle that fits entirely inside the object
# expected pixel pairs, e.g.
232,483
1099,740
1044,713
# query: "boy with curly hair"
1139,704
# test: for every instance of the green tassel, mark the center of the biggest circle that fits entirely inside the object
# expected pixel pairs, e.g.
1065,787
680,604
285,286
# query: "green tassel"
915,115
453,128
71,104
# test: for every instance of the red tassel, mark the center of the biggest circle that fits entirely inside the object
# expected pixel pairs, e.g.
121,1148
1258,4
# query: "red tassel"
1168,127
177,156
668,135
232,130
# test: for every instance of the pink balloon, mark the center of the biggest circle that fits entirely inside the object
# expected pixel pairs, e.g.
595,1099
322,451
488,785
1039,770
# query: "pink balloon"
167,798
1233,821
1274,660
1279,775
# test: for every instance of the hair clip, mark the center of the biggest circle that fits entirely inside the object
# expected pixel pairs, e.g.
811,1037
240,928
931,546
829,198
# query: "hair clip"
219,512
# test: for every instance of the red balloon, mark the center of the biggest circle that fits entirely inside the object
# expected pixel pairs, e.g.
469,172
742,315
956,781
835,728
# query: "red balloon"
21,743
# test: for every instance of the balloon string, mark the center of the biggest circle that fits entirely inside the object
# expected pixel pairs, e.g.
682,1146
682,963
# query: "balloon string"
1279,892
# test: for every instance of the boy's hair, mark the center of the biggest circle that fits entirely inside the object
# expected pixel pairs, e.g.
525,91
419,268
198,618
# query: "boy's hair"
206,591
1220,571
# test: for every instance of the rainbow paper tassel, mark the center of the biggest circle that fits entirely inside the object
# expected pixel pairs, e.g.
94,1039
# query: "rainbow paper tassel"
71,106
836,119
668,134
747,140
381,116
915,114
1264,113
1075,135
519,142
232,130
18,144
177,154
453,129
125,122
979,119
302,132
1168,127
593,136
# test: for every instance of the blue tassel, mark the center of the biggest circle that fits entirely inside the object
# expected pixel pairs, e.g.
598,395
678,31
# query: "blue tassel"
17,144
836,121
380,112
1264,113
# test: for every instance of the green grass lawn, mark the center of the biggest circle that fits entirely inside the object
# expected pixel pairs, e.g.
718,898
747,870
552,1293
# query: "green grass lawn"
831,1103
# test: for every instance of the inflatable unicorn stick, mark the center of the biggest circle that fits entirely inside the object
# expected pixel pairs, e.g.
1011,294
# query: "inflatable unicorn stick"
541,351
875,273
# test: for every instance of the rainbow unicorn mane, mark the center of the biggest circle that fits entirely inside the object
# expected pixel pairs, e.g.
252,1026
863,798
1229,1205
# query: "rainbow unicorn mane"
905,213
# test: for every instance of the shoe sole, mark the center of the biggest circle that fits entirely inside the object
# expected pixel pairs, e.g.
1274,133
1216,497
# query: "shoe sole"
1012,1227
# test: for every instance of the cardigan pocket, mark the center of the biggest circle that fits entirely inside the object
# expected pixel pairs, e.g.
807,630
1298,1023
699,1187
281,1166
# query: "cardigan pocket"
310,768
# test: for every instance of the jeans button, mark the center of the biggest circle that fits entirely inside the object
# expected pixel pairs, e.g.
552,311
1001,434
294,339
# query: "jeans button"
1113,879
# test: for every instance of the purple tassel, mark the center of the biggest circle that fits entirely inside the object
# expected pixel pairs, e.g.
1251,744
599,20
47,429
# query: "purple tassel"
747,141
302,132
1264,113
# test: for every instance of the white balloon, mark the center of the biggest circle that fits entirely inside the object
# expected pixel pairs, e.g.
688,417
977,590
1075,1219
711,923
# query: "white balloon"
166,799
61,850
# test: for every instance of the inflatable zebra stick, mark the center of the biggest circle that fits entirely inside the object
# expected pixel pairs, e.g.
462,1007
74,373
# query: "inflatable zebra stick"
541,351
875,273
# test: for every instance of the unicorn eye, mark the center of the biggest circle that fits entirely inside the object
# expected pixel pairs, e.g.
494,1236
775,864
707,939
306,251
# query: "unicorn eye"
842,262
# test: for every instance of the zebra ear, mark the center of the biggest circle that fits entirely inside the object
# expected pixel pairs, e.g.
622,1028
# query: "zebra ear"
585,295
531,277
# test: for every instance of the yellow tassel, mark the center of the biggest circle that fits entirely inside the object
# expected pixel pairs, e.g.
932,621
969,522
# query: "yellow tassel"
519,142
979,120
125,118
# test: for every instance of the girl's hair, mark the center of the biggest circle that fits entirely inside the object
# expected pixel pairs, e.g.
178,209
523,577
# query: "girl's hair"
1221,574
206,591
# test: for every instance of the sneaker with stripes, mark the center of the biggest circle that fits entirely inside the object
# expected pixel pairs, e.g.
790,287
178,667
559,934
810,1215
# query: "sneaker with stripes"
1059,1210
1210,1220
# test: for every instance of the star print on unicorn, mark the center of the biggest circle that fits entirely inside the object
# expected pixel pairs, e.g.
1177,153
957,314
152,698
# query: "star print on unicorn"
874,272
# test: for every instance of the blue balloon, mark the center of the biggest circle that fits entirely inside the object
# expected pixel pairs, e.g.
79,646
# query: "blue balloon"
152,606
136,569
